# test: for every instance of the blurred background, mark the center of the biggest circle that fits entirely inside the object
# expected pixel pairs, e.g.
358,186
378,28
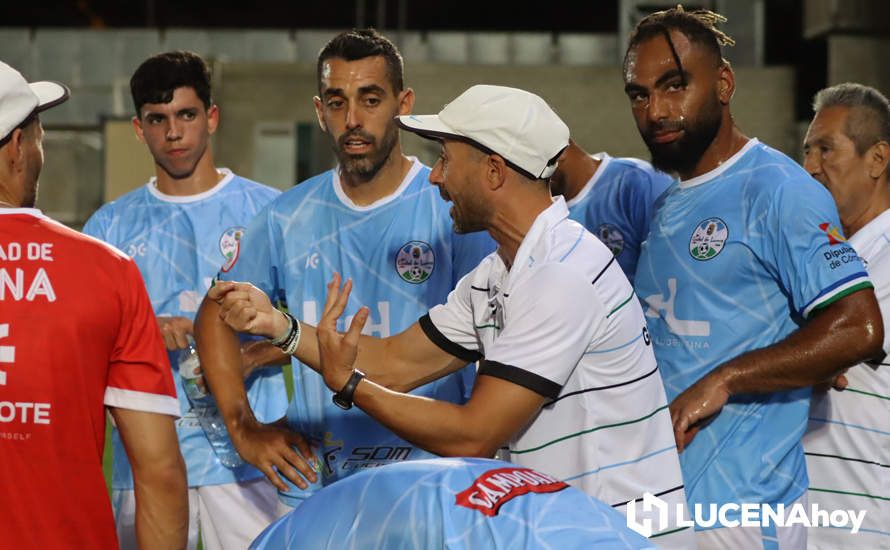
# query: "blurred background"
263,59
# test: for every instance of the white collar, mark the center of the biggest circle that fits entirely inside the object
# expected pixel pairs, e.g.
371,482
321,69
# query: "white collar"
153,189
29,211
604,160
546,220
871,230
344,198
723,167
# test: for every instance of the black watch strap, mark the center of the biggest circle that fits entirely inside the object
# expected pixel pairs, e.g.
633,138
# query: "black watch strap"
343,398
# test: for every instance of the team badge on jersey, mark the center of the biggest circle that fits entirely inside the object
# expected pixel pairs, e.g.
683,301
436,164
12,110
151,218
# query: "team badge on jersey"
415,262
230,246
611,237
708,239
834,234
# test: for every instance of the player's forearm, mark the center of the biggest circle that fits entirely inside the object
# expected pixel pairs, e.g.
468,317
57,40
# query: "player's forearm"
439,427
846,333
220,354
162,505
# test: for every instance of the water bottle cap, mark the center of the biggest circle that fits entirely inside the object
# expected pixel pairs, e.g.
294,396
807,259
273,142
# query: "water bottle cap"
188,362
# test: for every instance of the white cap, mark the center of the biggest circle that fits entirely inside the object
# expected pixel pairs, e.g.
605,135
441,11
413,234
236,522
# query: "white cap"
19,100
517,125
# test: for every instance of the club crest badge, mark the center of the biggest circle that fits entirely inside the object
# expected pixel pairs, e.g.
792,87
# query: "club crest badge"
230,246
415,262
612,237
708,239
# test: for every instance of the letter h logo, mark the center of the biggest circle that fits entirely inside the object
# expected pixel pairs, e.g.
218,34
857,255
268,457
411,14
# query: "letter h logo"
650,503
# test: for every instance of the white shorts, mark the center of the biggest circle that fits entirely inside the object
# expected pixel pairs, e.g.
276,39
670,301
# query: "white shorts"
229,516
766,538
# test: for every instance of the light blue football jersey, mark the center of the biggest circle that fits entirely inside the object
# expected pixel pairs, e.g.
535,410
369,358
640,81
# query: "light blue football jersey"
616,205
179,243
453,503
403,257
736,260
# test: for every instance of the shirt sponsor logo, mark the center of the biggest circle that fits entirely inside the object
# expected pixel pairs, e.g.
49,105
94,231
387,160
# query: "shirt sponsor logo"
415,262
612,237
708,239
359,458
833,232
837,257
659,305
495,488
230,246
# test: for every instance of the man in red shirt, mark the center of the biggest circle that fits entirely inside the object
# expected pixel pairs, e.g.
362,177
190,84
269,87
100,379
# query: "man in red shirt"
77,334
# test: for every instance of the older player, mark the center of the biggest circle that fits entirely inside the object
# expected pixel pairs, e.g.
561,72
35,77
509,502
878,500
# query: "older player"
847,444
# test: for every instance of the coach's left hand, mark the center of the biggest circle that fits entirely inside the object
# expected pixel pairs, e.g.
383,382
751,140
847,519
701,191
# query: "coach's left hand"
697,405
337,352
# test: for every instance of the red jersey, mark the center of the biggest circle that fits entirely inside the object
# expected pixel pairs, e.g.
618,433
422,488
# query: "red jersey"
77,334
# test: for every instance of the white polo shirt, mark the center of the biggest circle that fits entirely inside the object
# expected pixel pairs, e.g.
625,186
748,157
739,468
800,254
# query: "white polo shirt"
565,323
847,443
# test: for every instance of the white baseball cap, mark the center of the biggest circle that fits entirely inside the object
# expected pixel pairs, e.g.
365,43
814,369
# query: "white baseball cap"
19,100
517,125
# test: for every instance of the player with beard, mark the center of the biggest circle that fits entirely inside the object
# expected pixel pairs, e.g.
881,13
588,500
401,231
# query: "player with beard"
752,295
375,214
80,341
179,228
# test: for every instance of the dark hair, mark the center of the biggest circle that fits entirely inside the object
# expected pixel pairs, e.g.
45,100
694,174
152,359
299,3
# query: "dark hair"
699,26
160,75
869,118
359,44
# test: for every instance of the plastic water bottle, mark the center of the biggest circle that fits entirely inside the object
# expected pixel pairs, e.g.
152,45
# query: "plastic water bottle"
205,409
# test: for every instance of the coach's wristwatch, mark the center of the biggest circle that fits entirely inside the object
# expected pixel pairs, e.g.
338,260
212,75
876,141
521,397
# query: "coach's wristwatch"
343,398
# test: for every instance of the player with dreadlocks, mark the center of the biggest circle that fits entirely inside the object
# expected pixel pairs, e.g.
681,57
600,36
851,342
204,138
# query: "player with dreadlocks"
751,292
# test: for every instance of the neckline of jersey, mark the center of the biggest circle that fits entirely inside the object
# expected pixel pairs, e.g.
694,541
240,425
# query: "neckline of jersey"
604,160
708,176
28,211
156,193
546,220
347,202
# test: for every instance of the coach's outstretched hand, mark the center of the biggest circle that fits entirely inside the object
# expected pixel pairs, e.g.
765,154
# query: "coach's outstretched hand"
697,406
245,308
337,352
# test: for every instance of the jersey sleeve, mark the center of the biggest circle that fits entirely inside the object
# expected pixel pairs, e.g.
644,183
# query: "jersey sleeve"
552,319
648,187
468,250
139,373
450,325
256,258
814,261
